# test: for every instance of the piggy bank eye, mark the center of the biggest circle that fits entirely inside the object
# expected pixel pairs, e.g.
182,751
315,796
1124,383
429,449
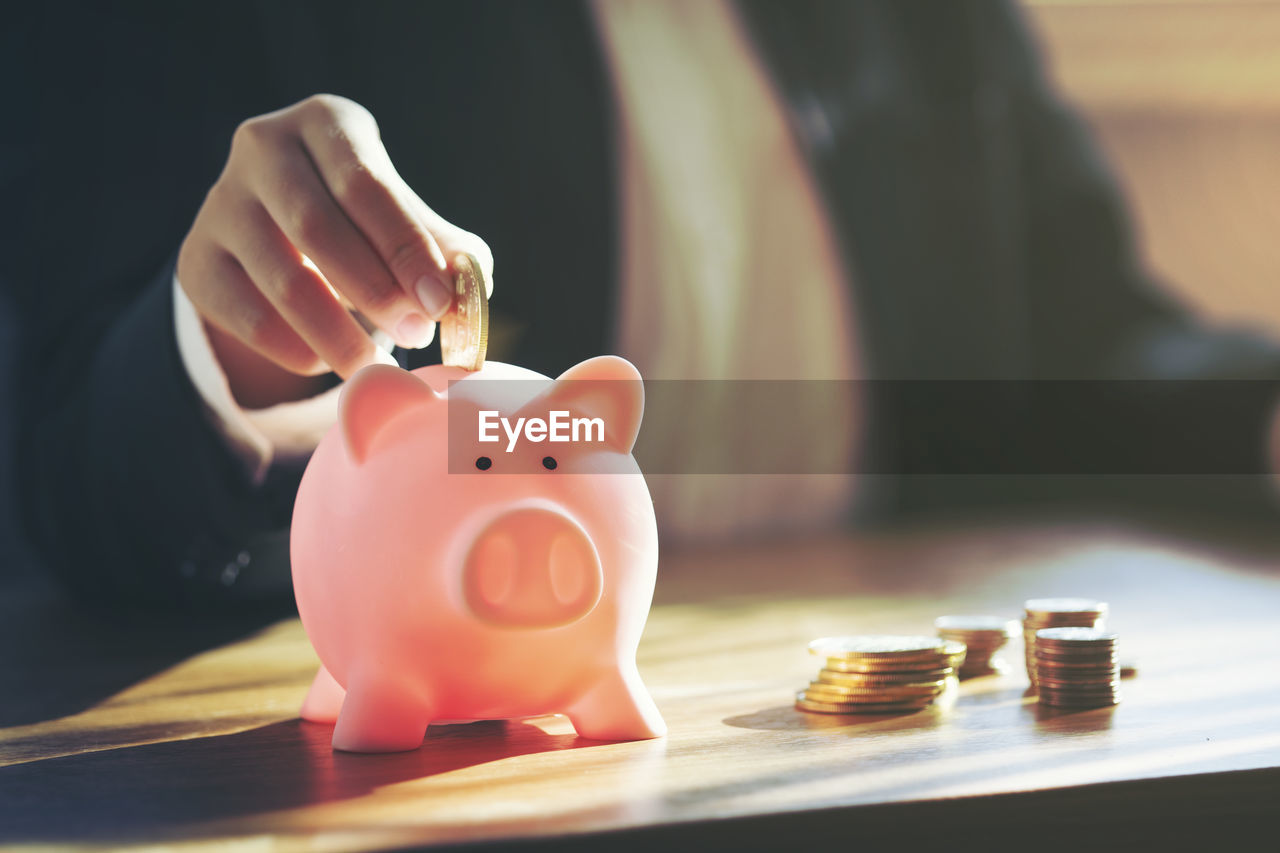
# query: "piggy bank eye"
484,463
549,462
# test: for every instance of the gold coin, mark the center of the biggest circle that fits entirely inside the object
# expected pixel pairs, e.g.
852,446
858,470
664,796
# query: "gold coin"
1052,670
1095,683
1074,637
1029,627
954,653
1075,649
878,647
1079,689
464,331
872,679
890,667
806,704
1061,686
977,626
1074,661
1065,620
1079,702
1050,685
1050,662
1062,606
1076,678
975,644
885,691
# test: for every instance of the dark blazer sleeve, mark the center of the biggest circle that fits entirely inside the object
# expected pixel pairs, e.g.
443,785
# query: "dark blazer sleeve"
127,490
123,485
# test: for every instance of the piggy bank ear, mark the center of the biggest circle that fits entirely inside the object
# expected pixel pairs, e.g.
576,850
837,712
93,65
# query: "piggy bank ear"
370,400
605,387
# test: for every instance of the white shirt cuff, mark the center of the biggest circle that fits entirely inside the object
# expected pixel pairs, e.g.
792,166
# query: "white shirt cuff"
284,432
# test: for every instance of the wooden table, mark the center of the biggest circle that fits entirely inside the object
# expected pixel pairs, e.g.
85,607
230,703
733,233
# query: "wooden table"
209,749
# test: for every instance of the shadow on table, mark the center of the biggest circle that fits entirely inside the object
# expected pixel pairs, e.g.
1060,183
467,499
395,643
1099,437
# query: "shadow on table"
157,789
790,718
1050,720
61,659
787,718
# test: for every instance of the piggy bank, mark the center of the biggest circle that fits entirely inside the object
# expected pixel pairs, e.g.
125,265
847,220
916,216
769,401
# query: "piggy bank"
441,577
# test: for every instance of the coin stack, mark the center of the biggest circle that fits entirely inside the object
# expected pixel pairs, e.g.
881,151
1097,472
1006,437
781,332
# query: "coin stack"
1057,613
983,637
880,674
1077,667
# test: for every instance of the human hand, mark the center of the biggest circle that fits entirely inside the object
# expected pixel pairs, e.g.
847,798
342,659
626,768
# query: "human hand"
308,218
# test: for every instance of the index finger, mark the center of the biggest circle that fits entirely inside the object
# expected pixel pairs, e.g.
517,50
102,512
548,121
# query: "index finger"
353,164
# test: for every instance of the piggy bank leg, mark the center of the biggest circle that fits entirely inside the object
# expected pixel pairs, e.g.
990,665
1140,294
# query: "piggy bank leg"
617,707
324,699
381,716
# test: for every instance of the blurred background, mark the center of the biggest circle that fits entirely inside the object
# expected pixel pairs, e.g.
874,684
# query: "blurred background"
1184,98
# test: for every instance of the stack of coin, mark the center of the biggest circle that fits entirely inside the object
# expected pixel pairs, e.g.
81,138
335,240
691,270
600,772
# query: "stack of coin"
1077,667
1057,613
983,637
880,674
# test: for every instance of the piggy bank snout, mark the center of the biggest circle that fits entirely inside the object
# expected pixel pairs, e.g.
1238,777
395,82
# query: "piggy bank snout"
532,568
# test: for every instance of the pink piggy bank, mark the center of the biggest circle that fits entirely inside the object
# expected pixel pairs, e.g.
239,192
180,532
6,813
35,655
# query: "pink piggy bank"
440,577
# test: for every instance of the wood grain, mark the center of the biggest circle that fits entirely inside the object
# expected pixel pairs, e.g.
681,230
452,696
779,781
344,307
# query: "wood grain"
209,750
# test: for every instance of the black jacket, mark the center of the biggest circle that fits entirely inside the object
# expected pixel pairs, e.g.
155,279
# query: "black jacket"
985,236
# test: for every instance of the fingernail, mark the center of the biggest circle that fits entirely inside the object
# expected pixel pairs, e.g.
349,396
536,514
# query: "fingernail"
414,331
434,295
381,356
385,342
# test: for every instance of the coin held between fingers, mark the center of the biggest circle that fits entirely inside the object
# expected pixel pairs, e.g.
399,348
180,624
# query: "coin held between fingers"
464,331
435,296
